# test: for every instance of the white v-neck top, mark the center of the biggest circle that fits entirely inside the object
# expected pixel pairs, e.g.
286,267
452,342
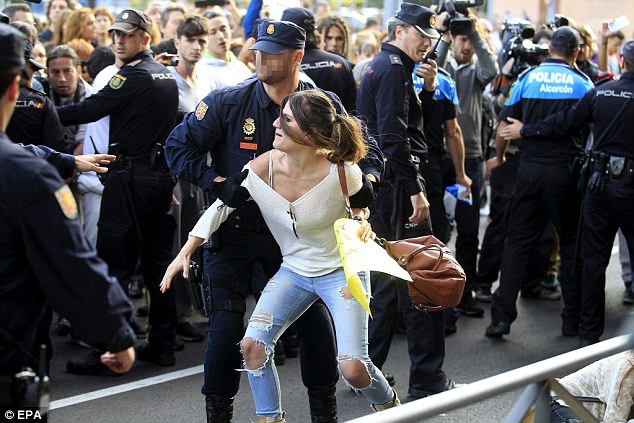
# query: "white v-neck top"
310,247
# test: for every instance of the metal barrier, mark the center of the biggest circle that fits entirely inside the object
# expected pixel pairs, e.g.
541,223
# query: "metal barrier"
538,379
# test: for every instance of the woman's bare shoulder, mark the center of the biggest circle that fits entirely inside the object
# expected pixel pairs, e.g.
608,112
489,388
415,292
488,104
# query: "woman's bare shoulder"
260,165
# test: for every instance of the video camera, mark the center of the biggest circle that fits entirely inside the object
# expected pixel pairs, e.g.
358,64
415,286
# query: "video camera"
517,43
457,20
558,21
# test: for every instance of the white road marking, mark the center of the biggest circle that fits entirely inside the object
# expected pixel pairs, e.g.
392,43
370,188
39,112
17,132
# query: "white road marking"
139,384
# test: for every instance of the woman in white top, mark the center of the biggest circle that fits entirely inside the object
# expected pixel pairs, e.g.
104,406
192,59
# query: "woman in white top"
297,188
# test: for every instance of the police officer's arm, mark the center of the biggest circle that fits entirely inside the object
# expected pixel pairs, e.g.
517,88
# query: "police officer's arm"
187,146
487,67
74,280
391,102
113,97
427,71
64,163
561,123
52,129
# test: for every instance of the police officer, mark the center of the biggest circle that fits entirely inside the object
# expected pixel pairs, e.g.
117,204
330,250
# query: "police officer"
35,120
142,100
608,204
328,70
235,124
544,186
395,114
45,261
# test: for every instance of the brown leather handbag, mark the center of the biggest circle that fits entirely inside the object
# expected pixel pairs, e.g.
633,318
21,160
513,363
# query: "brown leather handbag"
438,279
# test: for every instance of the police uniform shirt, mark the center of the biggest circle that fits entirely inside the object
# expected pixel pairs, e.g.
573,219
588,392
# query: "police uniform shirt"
447,108
35,121
46,260
331,72
542,91
386,100
599,105
234,124
141,99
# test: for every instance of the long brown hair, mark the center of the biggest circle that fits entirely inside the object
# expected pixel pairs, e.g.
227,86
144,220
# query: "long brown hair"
75,23
338,135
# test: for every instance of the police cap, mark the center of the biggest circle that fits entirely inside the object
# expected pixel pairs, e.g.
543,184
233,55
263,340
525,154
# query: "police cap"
130,20
301,17
566,37
274,37
29,57
12,46
420,17
627,51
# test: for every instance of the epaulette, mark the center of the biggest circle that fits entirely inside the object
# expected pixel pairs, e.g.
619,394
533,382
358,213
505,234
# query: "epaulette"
524,72
133,64
395,59
581,74
603,81
35,91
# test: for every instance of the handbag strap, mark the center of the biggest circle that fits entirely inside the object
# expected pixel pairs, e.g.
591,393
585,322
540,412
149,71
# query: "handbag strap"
344,188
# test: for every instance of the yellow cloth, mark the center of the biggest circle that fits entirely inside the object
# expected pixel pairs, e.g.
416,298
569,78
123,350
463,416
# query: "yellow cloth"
358,256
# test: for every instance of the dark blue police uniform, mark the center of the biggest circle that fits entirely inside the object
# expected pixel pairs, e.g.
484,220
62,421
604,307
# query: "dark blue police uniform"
544,188
35,121
235,124
610,206
45,261
142,101
395,115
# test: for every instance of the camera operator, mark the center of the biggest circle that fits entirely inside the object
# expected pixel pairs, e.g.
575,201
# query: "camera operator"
472,66
544,187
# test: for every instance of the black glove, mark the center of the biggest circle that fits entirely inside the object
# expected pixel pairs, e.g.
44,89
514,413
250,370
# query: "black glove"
229,191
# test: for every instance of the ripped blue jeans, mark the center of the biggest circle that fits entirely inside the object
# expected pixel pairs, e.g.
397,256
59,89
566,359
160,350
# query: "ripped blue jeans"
286,297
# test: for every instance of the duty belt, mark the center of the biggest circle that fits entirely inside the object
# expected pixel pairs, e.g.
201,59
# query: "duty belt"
616,168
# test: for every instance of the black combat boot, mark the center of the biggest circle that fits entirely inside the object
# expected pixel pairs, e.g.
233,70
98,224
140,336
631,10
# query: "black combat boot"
323,404
219,409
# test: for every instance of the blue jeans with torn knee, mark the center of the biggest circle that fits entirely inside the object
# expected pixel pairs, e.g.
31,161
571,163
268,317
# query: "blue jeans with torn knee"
284,299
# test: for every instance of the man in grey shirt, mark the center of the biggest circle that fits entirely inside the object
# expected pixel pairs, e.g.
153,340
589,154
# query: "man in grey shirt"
472,66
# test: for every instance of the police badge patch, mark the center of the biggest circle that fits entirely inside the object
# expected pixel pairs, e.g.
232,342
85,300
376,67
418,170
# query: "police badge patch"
117,81
201,110
66,202
249,126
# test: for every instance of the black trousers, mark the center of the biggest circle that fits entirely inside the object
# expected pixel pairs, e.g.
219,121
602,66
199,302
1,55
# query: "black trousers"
119,244
541,192
603,214
425,331
230,269
502,184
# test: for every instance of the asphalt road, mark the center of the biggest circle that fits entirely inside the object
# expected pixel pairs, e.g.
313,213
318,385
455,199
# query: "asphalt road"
156,394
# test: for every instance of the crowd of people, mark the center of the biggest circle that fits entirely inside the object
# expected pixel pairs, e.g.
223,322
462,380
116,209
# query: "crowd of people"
210,108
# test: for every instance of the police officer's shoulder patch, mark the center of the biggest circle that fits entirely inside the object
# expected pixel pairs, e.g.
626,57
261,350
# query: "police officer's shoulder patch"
117,81
66,202
201,110
395,59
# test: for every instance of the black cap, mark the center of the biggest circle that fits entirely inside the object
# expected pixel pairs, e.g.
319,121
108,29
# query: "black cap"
566,37
420,17
301,17
130,20
274,37
28,56
12,47
627,51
